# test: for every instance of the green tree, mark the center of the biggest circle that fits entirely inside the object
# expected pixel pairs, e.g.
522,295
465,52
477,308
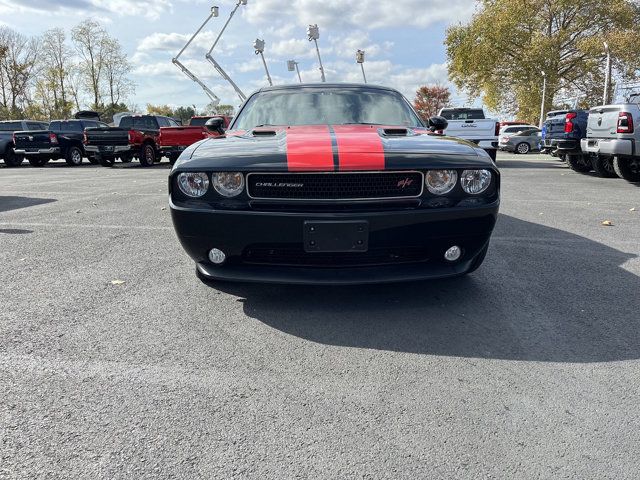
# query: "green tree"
164,110
184,114
500,54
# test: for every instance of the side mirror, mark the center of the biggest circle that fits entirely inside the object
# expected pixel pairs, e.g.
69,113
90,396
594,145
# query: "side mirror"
437,123
215,124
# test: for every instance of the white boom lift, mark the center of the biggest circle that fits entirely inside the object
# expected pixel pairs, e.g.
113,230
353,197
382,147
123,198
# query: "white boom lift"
214,98
216,65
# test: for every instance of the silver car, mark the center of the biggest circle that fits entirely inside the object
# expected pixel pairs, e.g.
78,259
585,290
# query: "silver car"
523,142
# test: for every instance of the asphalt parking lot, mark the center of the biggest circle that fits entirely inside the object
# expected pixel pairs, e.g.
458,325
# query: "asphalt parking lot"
529,368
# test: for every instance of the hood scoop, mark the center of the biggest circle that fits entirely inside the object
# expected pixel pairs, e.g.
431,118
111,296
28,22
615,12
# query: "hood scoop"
396,132
264,132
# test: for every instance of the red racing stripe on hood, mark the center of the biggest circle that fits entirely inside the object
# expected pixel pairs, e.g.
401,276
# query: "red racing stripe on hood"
359,147
309,149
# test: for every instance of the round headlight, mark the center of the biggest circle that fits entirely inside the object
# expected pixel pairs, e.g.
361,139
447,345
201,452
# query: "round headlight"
193,184
440,182
475,181
228,184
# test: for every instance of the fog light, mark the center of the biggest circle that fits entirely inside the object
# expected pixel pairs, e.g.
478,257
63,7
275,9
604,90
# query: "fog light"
453,253
217,256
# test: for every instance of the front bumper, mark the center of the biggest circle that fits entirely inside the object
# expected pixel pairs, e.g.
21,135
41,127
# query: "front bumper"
608,146
240,233
39,151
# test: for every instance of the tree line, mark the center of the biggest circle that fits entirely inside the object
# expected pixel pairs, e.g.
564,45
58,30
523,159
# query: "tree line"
55,74
501,54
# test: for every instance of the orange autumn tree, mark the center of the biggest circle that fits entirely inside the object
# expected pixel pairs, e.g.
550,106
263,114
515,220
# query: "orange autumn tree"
430,99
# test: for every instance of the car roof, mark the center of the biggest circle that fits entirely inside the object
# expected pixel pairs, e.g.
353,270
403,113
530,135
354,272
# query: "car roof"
302,86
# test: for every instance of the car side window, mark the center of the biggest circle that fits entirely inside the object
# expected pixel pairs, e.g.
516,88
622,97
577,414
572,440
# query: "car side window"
163,122
172,122
89,124
34,126
54,126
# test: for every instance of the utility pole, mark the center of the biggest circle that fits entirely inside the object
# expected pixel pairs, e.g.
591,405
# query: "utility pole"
607,75
313,32
292,66
360,60
544,95
258,46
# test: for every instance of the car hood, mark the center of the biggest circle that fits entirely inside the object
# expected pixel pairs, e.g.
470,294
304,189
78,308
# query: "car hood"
331,148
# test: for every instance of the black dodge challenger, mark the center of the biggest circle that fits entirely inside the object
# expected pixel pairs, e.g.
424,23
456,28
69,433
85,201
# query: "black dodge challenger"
333,184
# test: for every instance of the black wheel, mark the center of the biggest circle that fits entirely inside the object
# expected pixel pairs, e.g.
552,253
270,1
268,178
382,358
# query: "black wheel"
107,161
603,166
73,156
38,162
93,160
148,156
627,168
11,159
523,148
478,260
126,157
578,163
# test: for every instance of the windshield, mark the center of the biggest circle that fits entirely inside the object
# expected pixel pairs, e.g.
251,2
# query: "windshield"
326,106
10,126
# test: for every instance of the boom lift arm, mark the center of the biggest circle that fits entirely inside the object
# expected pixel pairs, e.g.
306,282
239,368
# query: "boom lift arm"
214,98
216,65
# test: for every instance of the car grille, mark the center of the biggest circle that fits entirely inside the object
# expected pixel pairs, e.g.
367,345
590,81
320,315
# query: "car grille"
295,256
335,186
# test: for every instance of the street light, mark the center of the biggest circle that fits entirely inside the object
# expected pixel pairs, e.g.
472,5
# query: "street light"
313,32
360,60
292,66
544,94
258,46
607,75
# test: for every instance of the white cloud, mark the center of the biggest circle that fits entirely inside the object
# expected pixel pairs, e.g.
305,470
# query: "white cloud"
151,9
367,14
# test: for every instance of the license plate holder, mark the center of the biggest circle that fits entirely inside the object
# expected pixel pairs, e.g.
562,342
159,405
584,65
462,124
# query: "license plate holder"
107,148
335,237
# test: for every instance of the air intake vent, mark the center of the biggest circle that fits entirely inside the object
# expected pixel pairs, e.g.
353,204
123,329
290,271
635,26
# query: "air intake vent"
264,133
396,132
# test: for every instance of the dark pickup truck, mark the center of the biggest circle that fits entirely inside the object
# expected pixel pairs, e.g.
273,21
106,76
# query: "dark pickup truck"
137,136
564,131
7,129
63,139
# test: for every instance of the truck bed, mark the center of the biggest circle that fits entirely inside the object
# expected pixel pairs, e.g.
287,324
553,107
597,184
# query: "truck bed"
33,140
181,136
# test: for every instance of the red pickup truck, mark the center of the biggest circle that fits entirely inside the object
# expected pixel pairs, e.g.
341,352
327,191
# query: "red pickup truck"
137,135
174,140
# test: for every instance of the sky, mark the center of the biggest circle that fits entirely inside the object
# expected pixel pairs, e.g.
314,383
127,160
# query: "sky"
403,41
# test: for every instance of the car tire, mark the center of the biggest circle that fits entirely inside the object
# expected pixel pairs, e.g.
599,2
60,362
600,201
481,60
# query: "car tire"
627,168
93,160
11,159
522,148
603,166
478,260
148,155
38,162
126,158
107,161
578,163
73,157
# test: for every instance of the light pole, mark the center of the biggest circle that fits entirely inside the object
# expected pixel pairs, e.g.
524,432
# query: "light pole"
544,95
258,46
607,75
360,60
292,66
313,32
